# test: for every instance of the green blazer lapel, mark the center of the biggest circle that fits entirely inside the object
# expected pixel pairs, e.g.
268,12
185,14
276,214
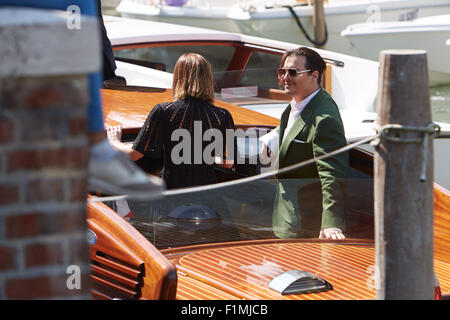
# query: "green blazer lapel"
299,124
283,122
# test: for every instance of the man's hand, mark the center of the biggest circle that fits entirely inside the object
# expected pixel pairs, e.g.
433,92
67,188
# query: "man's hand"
265,149
265,153
331,233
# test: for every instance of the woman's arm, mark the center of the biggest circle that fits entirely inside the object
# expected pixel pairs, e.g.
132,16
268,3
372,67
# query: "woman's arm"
114,137
224,162
228,163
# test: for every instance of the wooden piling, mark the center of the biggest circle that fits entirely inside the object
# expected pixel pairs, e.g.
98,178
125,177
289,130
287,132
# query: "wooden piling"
403,204
319,22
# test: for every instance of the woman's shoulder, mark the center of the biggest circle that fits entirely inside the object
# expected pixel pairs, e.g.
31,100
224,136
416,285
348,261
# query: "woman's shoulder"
220,109
224,115
167,105
164,108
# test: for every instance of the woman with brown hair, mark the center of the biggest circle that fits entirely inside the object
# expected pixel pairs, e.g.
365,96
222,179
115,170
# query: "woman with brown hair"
192,112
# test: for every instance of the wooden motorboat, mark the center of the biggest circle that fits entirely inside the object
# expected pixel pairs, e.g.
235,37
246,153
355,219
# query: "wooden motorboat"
156,256
244,68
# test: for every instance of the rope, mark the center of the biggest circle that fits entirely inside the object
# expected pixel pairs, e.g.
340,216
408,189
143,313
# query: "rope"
317,44
248,179
384,133
390,132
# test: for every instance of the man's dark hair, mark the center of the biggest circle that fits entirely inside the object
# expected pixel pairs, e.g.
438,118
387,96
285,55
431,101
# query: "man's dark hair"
314,61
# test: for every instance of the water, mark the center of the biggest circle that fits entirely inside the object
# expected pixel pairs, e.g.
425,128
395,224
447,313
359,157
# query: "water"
440,103
440,112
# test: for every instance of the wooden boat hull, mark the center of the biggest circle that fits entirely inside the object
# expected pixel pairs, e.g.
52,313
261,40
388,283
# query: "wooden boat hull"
126,265
242,270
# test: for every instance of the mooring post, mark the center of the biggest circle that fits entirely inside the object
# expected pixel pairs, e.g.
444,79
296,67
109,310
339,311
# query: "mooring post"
403,203
319,22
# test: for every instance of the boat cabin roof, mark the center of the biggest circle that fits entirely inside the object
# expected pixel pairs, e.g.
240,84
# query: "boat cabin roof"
130,108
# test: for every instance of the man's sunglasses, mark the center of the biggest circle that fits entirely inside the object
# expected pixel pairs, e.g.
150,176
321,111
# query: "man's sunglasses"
291,72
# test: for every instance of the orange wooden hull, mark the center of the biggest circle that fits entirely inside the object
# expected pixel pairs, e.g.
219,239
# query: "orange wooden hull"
244,271
124,264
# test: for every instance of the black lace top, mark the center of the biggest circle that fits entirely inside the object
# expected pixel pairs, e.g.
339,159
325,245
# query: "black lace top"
186,154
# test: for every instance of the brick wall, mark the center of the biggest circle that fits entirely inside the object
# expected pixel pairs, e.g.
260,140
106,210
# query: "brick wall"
44,153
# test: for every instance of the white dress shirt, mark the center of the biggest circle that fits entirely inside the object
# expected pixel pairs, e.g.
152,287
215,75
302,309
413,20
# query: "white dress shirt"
296,109
271,139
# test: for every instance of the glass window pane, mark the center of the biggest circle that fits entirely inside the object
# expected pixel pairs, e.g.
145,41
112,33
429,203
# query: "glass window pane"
218,56
261,70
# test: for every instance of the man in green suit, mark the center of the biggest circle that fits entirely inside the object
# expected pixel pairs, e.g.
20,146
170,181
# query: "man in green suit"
310,200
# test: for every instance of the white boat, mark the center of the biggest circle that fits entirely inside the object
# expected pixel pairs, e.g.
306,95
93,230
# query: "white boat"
110,4
271,19
430,34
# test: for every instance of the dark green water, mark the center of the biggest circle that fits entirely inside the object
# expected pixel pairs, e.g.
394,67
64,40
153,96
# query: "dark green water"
440,103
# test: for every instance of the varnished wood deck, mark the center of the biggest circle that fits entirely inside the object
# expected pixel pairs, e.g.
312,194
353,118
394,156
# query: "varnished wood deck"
130,108
442,224
243,272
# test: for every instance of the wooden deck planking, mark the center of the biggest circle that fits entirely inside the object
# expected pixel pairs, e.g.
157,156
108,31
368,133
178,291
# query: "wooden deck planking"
130,108
248,270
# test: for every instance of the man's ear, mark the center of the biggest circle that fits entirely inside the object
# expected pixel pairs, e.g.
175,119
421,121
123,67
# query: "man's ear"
315,75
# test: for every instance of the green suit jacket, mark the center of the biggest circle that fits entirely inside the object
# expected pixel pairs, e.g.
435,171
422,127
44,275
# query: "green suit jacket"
311,198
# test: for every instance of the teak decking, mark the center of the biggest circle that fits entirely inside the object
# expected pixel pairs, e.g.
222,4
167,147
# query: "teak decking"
243,272
130,108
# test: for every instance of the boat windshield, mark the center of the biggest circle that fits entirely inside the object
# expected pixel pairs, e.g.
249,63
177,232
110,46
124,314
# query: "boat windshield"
244,205
249,201
252,85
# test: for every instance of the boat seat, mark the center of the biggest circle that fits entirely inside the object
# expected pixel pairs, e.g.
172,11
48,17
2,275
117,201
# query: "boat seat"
326,79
